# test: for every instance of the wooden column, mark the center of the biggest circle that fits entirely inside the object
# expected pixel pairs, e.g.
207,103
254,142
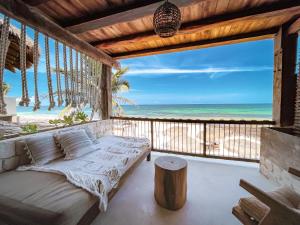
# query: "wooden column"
284,84
106,94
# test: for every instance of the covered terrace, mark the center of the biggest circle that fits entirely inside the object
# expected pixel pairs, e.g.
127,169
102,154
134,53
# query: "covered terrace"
100,32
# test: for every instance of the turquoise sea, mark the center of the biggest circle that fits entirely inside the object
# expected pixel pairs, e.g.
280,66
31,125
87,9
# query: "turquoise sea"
209,111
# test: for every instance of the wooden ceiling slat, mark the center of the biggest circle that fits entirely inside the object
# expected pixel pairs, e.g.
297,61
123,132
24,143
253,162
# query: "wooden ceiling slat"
295,27
200,44
209,23
35,2
18,10
124,14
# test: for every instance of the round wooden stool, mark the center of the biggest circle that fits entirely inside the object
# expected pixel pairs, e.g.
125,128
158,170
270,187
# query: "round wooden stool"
170,182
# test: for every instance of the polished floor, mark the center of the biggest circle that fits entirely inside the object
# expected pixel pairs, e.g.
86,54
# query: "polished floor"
213,188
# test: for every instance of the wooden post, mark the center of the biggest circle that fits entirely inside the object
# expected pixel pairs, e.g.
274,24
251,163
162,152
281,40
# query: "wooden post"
106,94
284,84
204,139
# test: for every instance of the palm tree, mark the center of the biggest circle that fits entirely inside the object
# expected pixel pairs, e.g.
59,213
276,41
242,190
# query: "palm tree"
5,88
119,84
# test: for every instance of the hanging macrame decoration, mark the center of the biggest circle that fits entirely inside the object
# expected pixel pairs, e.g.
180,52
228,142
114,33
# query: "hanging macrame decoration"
67,90
48,70
37,102
58,80
25,98
3,52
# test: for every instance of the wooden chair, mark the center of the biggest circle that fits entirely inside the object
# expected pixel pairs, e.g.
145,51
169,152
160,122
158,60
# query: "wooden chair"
280,207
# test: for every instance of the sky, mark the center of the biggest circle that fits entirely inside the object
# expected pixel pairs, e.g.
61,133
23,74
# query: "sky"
231,74
239,73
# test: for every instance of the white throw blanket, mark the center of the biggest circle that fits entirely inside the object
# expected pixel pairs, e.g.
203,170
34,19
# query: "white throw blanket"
100,171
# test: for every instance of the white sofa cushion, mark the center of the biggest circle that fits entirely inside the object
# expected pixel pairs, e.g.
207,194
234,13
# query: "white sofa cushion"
75,143
42,149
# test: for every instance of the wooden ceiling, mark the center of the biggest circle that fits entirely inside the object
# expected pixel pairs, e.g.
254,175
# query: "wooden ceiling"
123,28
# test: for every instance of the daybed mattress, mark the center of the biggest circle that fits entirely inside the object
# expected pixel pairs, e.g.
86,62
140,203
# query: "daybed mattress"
52,192
48,191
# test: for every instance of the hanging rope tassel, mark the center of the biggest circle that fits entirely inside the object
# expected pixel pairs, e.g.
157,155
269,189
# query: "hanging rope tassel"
73,104
25,98
49,80
37,102
58,79
92,83
86,80
67,91
76,80
98,87
81,79
3,52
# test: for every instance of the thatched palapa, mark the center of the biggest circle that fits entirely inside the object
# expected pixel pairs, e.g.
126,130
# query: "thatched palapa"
13,53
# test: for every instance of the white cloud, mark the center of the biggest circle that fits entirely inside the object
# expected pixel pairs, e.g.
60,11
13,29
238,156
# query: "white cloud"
211,70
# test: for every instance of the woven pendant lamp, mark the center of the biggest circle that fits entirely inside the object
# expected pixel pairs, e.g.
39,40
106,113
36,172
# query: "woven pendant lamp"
166,20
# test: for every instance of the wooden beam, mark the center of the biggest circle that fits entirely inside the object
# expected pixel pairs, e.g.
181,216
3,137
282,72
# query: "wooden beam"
284,82
208,23
253,36
124,14
31,16
106,94
35,2
295,27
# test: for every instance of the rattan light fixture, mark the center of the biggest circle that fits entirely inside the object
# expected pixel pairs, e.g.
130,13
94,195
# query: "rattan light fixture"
166,20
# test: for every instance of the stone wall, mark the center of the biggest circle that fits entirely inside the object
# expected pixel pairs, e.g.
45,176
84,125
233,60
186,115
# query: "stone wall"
280,149
12,153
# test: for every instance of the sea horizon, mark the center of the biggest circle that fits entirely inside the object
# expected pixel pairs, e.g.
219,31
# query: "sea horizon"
259,111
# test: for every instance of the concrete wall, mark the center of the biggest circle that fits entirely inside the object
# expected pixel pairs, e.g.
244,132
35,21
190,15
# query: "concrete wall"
11,105
280,149
12,153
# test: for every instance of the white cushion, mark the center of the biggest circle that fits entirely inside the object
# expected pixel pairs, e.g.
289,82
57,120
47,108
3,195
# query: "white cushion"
42,149
75,143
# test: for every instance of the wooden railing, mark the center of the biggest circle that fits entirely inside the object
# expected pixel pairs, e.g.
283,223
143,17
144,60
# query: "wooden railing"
225,139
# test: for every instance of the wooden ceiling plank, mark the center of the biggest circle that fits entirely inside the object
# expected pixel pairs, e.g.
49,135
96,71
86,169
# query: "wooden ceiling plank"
35,2
294,27
124,14
284,8
31,16
260,35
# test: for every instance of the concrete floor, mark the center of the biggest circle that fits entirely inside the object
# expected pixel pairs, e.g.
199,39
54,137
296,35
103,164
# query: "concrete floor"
213,189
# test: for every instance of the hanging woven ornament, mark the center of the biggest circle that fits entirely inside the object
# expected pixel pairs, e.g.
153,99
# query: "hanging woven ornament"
3,52
48,70
37,102
67,90
58,79
25,98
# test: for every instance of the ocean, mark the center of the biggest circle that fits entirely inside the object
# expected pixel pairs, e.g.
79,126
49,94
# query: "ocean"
202,111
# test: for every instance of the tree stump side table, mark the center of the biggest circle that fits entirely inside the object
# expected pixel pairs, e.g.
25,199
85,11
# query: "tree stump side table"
170,182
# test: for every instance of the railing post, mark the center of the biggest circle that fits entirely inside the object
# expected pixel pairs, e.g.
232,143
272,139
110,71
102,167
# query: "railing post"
204,139
151,130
